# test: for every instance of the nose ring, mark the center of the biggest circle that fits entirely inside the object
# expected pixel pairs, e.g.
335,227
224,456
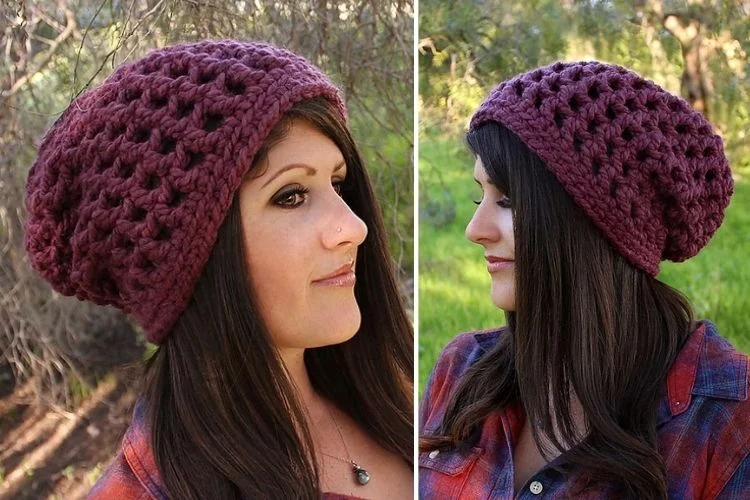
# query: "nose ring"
338,229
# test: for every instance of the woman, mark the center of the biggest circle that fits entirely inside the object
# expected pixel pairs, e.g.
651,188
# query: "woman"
602,385
213,191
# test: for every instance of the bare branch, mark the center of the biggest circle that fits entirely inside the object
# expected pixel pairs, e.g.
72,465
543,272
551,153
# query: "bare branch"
59,40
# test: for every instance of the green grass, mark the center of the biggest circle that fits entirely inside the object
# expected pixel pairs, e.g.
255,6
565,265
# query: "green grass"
454,284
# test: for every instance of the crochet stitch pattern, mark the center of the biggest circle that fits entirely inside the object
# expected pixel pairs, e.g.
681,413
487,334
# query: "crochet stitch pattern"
132,182
643,166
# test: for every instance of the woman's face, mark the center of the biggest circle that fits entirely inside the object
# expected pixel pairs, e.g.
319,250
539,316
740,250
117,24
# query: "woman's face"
492,227
301,240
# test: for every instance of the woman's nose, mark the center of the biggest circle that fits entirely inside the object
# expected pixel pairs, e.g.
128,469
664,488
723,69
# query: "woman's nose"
482,228
345,228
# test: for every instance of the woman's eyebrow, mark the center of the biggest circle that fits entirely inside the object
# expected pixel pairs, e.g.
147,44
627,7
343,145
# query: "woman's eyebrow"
310,170
338,167
489,181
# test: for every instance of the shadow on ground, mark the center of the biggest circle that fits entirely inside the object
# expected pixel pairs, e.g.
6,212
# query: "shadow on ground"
55,455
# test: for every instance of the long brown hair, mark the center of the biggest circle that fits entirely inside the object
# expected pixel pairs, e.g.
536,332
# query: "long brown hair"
224,418
586,322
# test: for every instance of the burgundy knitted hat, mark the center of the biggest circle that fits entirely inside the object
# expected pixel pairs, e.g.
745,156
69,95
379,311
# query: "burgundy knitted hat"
133,181
642,165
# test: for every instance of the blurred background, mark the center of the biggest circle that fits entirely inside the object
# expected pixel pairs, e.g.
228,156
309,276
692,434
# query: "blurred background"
68,369
696,49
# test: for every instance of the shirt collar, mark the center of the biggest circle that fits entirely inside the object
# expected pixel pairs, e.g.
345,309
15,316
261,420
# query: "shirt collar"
707,365
136,447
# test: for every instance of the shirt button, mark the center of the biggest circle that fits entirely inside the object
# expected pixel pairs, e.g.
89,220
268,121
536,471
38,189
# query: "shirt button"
536,487
434,453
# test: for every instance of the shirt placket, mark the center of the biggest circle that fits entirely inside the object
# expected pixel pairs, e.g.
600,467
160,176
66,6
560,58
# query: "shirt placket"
543,484
504,425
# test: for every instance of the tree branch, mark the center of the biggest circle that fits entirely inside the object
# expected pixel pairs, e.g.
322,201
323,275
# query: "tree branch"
59,40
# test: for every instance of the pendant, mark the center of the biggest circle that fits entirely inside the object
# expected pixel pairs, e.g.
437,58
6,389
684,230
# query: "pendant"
360,474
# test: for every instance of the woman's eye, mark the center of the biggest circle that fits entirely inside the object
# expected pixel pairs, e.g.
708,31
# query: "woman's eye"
480,195
291,198
504,202
338,186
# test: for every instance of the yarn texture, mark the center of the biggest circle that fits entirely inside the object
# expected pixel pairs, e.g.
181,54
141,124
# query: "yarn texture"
132,183
643,166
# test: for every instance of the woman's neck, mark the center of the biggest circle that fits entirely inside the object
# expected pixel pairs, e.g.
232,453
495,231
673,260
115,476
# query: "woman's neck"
294,361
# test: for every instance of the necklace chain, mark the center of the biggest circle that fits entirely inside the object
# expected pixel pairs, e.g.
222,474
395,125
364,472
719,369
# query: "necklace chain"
360,474
350,462
348,455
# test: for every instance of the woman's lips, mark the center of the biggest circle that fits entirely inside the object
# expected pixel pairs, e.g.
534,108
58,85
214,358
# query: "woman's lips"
497,264
343,276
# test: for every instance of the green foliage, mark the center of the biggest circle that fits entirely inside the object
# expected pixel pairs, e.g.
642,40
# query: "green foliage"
69,472
389,162
93,475
464,52
79,390
453,281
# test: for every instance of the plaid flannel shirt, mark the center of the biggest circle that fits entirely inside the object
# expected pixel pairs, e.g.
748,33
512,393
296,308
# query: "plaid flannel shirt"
133,474
703,429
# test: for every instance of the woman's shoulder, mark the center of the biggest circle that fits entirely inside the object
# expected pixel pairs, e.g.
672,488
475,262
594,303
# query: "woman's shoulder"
133,472
712,367
705,414
119,481
719,378
467,347
454,360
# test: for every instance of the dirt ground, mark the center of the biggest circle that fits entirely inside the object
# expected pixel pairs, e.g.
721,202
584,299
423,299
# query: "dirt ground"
46,454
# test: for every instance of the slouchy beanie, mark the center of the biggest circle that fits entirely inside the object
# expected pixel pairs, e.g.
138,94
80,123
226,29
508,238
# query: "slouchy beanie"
643,166
132,182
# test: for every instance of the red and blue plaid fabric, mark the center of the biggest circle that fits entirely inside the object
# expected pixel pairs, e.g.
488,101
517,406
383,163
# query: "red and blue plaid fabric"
703,429
133,474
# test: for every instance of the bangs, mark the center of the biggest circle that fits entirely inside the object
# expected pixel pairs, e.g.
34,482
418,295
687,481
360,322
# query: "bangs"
494,145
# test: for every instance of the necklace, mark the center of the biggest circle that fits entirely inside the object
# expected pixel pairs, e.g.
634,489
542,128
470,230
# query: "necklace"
361,476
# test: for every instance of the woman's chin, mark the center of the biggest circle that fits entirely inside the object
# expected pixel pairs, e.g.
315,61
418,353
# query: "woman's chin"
342,329
504,300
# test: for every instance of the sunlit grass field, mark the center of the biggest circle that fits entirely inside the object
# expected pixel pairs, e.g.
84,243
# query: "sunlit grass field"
454,284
